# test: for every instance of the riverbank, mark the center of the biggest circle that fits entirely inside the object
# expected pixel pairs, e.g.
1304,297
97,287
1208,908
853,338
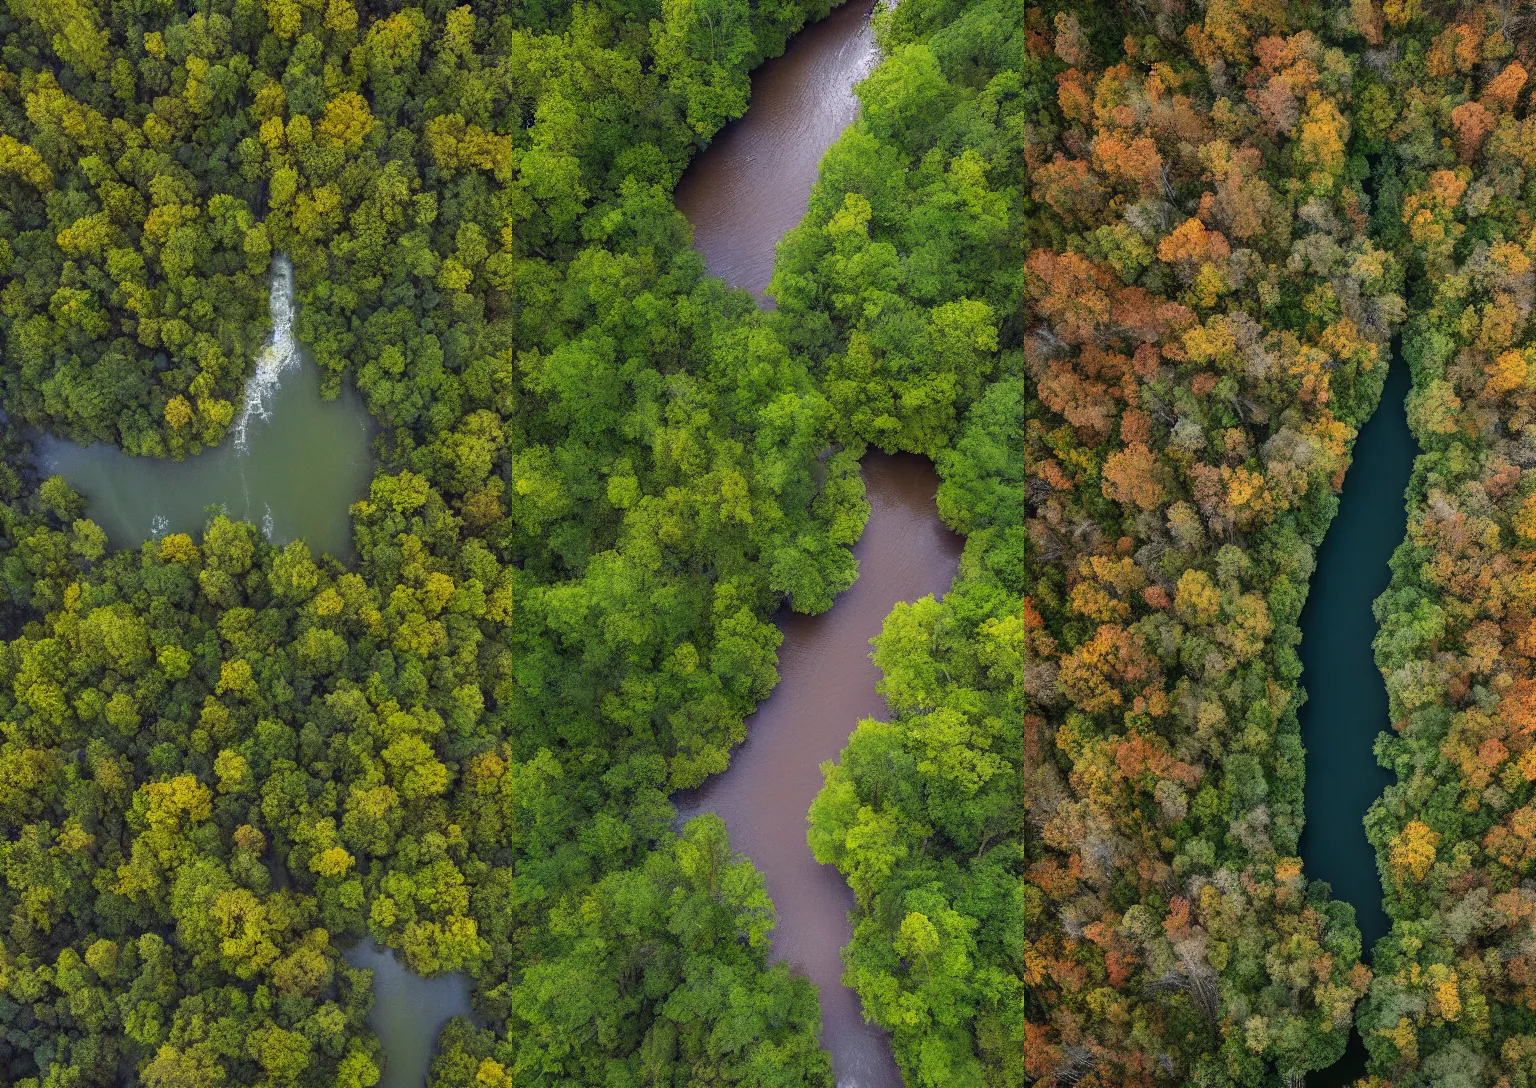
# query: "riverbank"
1346,707
291,463
742,195
826,686
752,185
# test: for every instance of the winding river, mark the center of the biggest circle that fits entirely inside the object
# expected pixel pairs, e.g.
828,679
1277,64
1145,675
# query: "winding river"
1346,703
741,195
826,686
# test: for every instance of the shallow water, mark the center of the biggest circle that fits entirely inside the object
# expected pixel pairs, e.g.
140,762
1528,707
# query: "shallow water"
408,1013
291,462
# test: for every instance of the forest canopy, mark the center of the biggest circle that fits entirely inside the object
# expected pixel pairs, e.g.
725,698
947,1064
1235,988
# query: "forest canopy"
1131,274
225,762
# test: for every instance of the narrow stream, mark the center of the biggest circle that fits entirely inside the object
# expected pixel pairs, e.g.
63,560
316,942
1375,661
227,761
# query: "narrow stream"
291,462
1346,703
826,686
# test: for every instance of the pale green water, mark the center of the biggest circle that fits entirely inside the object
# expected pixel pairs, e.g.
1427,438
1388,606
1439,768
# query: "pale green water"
292,463
408,1013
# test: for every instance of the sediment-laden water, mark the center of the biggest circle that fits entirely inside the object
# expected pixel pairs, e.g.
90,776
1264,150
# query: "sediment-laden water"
826,686
742,194
752,184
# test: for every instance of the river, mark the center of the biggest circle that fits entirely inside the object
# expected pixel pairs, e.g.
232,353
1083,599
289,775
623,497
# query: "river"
742,194
291,463
1346,703
754,181
826,686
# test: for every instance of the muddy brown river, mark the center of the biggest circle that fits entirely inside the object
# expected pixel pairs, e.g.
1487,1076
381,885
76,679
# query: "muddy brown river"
826,686
742,194
753,182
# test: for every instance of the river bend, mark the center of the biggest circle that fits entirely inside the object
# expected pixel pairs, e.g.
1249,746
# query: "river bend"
742,194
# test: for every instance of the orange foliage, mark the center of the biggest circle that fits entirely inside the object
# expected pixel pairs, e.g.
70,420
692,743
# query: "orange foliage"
1473,123
1191,242
1069,188
1131,477
1097,674
1135,162
1504,88
1070,291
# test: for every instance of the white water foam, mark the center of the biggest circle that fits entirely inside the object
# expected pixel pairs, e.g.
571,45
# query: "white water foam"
280,353
268,526
159,526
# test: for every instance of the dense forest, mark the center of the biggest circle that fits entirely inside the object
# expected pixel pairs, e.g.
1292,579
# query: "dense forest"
1222,217
1132,274
599,475
1451,1002
1202,322
898,282
1385,147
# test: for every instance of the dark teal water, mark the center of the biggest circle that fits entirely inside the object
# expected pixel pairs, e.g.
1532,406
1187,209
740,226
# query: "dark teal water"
1346,703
